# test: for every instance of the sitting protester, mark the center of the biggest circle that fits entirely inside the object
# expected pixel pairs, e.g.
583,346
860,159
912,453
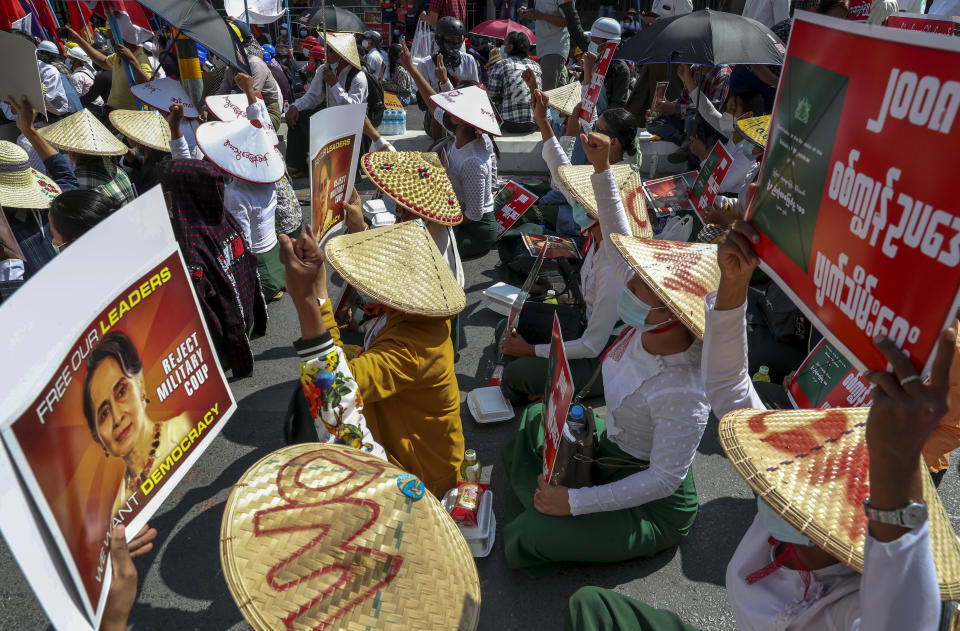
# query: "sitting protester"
525,371
399,81
89,145
678,119
471,158
222,268
250,195
656,413
780,576
404,372
507,88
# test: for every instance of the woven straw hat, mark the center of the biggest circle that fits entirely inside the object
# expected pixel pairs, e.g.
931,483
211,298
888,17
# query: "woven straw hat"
20,185
680,273
577,180
81,132
399,266
148,128
811,467
414,183
319,536
162,93
241,149
755,129
565,98
230,107
345,45
472,106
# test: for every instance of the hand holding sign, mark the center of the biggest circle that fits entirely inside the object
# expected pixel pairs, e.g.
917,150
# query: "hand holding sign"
551,500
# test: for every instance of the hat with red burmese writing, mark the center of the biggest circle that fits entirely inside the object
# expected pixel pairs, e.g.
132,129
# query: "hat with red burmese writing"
242,149
162,93
680,273
811,468
231,107
472,106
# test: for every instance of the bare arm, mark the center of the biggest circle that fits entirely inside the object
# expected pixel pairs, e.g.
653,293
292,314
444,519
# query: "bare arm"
426,90
95,55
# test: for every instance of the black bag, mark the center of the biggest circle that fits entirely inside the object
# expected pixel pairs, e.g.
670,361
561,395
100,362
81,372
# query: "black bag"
535,324
785,321
375,103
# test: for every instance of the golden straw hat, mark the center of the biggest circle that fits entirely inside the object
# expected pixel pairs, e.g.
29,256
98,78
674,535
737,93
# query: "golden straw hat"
565,98
680,273
577,180
415,183
318,536
148,128
83,133
22,186
811,467
755,129
399,266
345,45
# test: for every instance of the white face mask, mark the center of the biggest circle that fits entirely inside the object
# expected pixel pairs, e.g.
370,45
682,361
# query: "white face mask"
593,48
778,527
747,147
366,44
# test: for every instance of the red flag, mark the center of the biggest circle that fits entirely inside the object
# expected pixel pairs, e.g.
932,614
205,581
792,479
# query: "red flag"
80,18
41,10
10,12
132,19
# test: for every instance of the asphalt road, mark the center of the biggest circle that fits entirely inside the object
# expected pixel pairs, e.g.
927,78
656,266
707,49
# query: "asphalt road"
182,585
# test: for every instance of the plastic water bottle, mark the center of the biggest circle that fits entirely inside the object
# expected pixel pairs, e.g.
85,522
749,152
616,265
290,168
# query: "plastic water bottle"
402,117
763,375
387,124
576,422
394,123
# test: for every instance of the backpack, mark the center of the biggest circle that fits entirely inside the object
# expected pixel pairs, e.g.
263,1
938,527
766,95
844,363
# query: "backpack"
375,106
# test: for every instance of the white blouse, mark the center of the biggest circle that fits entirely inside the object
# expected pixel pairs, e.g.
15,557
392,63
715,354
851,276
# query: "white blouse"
473,172
656,407
898,588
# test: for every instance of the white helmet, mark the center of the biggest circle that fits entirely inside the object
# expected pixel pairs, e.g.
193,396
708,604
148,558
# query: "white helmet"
605,28
77,53
47,46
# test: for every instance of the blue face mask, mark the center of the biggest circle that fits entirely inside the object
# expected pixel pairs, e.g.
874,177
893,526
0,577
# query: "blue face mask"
593,48
778,527
747,148
581,217
634,311
503,52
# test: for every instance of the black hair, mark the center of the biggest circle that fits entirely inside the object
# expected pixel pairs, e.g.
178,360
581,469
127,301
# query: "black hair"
393,57
751,101
118,346
162,171
75,212
623,126
519,44
826,5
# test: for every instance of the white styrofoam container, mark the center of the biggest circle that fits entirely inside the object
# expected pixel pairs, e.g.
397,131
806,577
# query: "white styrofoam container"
488,405
372,207
481,537
381,219
500,297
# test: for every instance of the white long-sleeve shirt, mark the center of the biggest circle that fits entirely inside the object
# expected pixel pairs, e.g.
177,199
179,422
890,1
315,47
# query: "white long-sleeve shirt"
468,70
898,589
767,12
53,86
656,410
472,171
335,94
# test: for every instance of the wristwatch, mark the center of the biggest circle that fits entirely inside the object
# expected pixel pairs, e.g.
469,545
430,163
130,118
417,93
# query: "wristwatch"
913,515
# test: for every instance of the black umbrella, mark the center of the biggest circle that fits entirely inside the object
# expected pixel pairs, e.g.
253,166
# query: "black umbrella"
709,38
199,21
337,19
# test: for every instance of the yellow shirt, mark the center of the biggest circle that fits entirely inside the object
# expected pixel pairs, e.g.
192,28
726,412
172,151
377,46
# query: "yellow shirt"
411,396
120,97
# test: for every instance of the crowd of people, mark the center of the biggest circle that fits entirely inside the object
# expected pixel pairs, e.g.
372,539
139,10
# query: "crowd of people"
663,354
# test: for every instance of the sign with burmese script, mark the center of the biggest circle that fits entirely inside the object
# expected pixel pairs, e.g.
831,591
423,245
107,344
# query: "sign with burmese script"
559,394
826,379
120,394
859,228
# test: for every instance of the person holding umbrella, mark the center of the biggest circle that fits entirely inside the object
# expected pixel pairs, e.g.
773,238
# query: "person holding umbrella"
678,119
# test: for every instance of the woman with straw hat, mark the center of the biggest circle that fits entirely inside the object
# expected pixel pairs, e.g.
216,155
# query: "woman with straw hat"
656,410
468,115
91,147
405,373
341,81
850,532
525,376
